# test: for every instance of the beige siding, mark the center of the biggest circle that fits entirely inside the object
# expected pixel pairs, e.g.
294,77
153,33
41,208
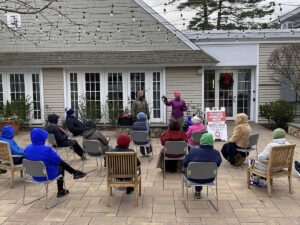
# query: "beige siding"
188,81
269,90
54,91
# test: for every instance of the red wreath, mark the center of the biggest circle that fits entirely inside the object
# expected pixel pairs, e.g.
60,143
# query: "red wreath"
226,81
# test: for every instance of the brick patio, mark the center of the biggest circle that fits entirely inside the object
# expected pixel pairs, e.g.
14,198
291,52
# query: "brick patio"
86,203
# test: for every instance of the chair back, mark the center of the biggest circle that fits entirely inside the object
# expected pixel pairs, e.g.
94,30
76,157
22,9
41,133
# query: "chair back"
253,140
281,157
5,154
92,147
121,164
51,140
196,136
175,147
140,136
35,168
202,170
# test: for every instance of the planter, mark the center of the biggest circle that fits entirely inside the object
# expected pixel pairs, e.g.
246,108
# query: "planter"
12,123
126,121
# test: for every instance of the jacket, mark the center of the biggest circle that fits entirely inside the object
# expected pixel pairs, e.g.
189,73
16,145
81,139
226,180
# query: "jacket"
118,149
241,131
94,134
140,106
172,136
75,126
8,137
37,151
60,136
192,129
205,153
178,107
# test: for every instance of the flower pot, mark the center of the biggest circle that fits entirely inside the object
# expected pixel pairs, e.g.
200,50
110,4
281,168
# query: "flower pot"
12,123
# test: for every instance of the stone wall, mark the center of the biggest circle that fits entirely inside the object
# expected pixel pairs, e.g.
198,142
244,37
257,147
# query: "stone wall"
294,129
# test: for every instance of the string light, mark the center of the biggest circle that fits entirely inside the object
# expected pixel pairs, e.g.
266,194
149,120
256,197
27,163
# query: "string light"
83,16
112,10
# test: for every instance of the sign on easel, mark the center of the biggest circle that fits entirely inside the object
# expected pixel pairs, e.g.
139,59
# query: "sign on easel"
216,123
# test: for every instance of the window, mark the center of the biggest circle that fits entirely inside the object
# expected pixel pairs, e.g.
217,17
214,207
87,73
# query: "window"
74,91
156,95
115,95
36,94
1,93
209,88
137,81
17,86
244,92
93,96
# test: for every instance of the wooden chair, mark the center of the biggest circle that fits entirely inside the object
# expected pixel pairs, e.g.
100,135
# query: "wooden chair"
280,160
7,163
122,171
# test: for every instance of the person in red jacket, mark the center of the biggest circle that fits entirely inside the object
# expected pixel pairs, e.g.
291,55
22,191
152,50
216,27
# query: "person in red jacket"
173,133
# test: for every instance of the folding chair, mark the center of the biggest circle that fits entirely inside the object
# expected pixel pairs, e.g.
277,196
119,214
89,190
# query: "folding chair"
52,142
252,145
173,148
94,149
38,169
142,137
196,136
200,171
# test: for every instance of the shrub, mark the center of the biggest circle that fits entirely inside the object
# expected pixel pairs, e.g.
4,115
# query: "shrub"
279,113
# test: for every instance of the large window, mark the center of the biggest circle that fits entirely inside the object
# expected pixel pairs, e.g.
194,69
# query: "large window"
74,91
1,93
244,92
156,95
115,95
137,81
209,88
93,96
17,86
36,94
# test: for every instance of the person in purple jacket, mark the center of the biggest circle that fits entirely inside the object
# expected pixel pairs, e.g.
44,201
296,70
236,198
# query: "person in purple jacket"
178,107
204,153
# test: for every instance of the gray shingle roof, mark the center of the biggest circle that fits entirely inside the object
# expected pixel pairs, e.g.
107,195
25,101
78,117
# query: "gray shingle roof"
114,58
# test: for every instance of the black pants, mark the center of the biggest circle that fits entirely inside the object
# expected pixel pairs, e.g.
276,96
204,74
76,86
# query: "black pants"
61,171
148,149
74,144
229,151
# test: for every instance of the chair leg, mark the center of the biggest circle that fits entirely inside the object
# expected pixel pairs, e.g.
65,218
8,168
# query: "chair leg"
187,200
248,178
110,191
140,187
269,187
290,184
271,180
21,173
46,195
24,191
12,176
136,195
108,196
206,191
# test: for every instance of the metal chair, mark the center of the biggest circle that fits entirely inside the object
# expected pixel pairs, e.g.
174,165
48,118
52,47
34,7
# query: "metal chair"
38,169
196,136
52,142
252,141
173,148
200,170
94,149
142,137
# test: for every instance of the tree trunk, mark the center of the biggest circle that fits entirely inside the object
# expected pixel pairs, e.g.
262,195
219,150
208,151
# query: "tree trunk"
205,15
220,4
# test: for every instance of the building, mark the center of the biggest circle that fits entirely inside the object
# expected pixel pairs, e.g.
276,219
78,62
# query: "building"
288,21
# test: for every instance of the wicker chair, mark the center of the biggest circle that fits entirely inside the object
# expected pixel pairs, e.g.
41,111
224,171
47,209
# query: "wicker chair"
7,163
280,160
122,171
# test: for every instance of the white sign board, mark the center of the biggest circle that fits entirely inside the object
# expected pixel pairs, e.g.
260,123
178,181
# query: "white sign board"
13,20
216,123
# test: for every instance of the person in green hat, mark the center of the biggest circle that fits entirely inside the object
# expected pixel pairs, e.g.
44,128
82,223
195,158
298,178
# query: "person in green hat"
204,153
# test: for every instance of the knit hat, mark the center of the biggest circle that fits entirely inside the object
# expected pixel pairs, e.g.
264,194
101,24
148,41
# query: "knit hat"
278,133
53,118
141,116
176,93
123,141
207,139
70,112
196,120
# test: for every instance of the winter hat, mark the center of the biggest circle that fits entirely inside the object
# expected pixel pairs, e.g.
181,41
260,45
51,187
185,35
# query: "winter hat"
176,93
141,116
70,112
207,139
196,120
278,133
123,141
53,118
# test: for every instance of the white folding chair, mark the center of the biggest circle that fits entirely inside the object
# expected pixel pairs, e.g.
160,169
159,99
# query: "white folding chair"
200,171
142,139
38,169
94,149
52,142
173,148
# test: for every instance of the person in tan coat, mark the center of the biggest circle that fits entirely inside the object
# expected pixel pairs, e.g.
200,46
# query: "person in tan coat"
239,139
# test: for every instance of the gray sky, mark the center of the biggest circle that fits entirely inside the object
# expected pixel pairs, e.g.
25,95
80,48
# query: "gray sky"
174,16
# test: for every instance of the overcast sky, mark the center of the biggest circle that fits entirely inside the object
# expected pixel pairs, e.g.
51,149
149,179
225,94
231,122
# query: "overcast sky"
174,16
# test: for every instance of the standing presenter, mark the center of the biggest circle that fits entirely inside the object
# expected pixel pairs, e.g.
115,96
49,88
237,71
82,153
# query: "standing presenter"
178,107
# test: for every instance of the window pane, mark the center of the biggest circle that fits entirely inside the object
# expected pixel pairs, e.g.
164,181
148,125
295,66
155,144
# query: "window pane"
156,95
93,96
115,96
17,86
209,88
137,81
36,96
74,91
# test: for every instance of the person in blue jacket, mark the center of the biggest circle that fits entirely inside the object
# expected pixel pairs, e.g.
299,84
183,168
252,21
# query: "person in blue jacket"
55,166
204,153
7,136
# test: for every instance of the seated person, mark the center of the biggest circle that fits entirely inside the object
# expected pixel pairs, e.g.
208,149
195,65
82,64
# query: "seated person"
141,124
55,166
173,133
7,136
123,142
75,126
93,134
204,153
239,139
196,126
61,136
297,167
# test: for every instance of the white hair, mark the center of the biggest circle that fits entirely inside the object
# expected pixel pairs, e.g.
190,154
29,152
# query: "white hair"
196,120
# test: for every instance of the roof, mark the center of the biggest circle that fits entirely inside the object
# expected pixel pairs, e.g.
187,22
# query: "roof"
294,13
108,59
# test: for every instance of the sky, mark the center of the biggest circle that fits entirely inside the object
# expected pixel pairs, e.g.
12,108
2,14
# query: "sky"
174,16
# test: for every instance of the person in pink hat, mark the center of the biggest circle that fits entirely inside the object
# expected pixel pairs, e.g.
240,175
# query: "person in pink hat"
178,107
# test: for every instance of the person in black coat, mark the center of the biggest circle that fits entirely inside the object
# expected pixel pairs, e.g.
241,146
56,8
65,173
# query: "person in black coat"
61,136
75,126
